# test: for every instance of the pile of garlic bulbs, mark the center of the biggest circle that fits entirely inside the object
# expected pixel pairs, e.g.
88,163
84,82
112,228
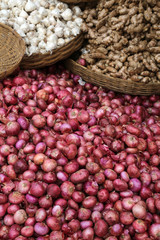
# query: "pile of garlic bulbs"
44,25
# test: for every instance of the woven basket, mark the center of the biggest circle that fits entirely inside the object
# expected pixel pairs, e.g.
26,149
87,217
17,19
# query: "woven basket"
115,84
43,60
12,49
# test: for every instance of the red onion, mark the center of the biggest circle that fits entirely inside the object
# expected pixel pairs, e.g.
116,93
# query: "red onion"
101,228
135,185
126,218
154,231
20,216
139,211
27,231
116,230
41,229
111,216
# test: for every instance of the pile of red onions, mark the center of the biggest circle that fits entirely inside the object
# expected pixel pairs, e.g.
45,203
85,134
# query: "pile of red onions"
77,162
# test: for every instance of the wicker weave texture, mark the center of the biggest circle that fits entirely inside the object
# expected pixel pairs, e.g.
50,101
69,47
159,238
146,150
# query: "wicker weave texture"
115,84
43,60
12,49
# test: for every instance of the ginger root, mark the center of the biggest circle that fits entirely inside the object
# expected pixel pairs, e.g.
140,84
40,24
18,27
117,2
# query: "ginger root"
124,39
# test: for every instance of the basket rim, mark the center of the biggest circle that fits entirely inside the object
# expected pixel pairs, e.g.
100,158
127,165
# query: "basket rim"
13,31
21,49
112,78
54,50
115,84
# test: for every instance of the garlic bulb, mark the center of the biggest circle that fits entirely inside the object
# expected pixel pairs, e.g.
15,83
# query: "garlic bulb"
50,46
60,42
56,13
30,6
44,25
23,14
58,31
67,14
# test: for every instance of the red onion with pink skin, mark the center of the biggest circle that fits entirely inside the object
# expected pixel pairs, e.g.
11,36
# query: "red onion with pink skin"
15,197
88,234
111,216
89,202
56,235
41,229
91,188
135,185
101,228
139,211
20,216
53,190
154,231
126,218
67,189
12,128
45,201
116,230
53,223
30,221
37,189
120,185
133,171
84,214
27,231
79,176
139,226
78,196
24,186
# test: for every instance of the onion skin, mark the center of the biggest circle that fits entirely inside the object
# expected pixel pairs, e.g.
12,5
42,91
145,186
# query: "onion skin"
77,162
101,228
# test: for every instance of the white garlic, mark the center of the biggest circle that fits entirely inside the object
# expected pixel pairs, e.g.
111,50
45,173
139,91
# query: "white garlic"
35,41
32,49
77,11
32,27
46,22
16,11
44,25
70,24
42,11
44,3
4,13
43,51
42,44
30,6
58,31
25,27
52,20
50,46
78,21
34,19
21,32
66,32
67,14
75,31
52,38
56,13
23,14
60,42
3,5
20,20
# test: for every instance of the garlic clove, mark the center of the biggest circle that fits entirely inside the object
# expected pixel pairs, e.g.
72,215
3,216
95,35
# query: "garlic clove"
30,6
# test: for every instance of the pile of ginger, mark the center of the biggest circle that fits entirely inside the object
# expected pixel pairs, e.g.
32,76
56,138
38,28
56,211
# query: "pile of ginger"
124,39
